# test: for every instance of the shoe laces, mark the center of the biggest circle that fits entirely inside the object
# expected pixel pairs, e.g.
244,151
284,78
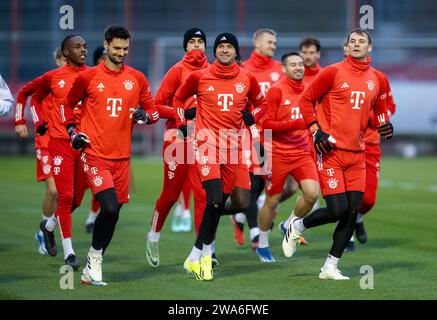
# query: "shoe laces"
96,261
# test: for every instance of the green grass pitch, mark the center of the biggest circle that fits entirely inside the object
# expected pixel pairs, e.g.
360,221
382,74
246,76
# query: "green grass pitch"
401,249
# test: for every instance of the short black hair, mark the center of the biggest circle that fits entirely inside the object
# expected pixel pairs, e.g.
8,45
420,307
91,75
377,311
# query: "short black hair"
289,54
306,42
361,32
66,39
113,31
98,53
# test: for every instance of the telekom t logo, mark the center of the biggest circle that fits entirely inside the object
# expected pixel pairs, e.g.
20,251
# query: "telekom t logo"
357,98
226,100
264,87
114,105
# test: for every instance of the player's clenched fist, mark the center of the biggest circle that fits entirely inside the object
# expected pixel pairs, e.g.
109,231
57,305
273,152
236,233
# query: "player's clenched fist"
139,116
248,118
322,141
386,130
78,140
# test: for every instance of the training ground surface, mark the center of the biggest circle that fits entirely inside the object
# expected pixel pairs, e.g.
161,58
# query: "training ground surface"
401,248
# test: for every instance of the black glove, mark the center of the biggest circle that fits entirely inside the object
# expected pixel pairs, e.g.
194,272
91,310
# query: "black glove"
78,140
42,128
183,131
322,142
386,130
190,114
139,116
248,118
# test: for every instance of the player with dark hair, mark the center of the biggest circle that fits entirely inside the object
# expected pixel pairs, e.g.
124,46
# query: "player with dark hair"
70,181
309,49
348,91
176,167
110,93
99,55
222,91
290,150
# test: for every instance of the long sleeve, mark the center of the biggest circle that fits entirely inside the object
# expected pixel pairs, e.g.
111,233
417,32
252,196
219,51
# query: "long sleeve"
317,89
380,106
25,92
78,92
6,99
257,98
186,90
270,121
146,100
164,96
40,94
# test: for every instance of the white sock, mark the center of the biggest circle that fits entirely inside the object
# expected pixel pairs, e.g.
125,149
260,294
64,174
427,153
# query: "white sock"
287,222
94,251
213,246
331,260
92,216
207,250
315,207
44,218
352,238
240,217
153,236
254,232
186,214
263,239
298,224
194,254
51,223
68,247
261,200
360,218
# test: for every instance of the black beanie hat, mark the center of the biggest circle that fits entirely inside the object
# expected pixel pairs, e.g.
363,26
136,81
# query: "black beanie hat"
227,37
192,33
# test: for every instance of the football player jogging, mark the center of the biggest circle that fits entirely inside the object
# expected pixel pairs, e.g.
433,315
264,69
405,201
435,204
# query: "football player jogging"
70,181
289,148
176,168
99,55
43,166
222,91
267,71
348,91
372,154
110,94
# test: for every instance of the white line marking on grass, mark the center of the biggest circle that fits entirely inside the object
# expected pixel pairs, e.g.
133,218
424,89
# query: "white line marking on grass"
407,186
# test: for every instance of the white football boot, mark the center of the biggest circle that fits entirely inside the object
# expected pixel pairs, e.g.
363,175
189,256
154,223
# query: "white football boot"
331,272
92,273
291,240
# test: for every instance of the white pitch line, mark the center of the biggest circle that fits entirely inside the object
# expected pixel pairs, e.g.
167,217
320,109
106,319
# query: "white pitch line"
407,186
